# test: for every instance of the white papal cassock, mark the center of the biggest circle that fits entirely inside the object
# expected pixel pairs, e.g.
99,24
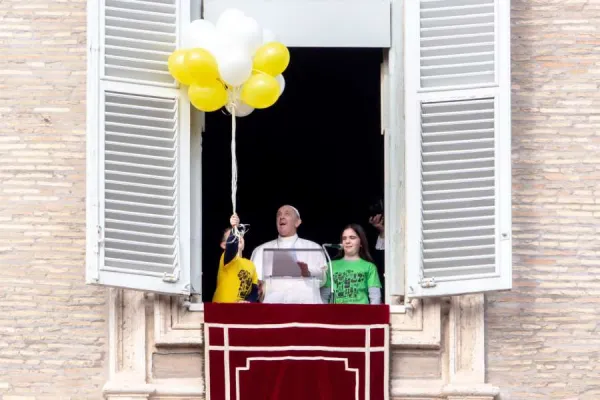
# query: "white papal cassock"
292,291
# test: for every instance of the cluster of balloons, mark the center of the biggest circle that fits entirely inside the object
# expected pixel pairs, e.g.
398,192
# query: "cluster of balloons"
233,63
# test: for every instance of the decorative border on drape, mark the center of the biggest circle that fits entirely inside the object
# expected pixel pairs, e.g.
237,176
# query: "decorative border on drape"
233,350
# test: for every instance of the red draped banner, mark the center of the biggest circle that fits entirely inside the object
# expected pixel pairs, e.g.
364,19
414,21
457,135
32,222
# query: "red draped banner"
296,352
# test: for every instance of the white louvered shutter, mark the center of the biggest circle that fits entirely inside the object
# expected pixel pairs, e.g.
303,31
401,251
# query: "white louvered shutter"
138,229
458,130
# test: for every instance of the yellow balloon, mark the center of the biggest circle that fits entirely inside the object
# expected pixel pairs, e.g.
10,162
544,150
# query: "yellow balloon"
177,67
271,58
208,97
201,65
260,91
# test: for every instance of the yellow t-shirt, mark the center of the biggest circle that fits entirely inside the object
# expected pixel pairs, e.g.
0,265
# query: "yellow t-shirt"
235,280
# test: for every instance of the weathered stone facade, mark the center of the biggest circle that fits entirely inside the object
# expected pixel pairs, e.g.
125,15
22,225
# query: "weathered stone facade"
541,338
52,326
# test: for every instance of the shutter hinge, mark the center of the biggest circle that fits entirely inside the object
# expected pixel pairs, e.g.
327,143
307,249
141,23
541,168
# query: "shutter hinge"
171,278
100,239
427,283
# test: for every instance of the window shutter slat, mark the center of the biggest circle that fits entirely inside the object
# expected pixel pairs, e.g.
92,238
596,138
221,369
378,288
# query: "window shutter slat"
457,43
138,149
121,237
138,37
458,151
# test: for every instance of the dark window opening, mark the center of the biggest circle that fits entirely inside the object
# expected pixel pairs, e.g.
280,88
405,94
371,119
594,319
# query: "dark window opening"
319,148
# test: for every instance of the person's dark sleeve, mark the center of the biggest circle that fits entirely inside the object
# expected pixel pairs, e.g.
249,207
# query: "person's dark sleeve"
253,296
231,248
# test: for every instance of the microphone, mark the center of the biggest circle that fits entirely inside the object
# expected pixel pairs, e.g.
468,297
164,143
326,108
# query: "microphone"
330,265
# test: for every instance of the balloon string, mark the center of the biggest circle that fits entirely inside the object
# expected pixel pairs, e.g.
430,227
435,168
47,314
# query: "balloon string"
234,171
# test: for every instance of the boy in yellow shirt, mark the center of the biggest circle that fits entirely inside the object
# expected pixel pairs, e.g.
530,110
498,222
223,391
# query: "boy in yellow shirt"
237,281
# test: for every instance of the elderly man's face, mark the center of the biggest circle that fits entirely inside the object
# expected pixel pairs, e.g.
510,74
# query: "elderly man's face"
287,221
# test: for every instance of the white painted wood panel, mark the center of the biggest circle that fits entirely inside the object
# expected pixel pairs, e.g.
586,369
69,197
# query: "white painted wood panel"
316,23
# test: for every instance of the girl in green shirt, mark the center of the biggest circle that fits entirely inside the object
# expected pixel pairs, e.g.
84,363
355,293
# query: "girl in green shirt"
354,274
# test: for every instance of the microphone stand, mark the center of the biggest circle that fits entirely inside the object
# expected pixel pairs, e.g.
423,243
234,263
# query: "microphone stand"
330,265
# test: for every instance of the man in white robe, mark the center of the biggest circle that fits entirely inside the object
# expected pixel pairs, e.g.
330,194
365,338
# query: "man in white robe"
312,264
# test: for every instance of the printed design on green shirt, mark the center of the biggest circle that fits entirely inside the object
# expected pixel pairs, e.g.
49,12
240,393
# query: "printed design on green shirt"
349,284
245,284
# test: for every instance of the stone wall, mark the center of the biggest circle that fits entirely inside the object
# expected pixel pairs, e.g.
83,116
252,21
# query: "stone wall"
52,326
542,337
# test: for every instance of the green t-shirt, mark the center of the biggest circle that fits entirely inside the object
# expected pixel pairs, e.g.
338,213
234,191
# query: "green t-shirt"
353,278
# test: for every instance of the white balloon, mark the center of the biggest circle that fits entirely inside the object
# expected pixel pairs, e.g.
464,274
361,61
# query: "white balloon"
207,42
200,33
219,45
281,81
228,18
244,32
269,36
241,109
235,65
254,35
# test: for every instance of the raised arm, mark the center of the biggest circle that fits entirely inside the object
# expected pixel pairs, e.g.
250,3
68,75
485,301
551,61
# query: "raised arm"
232,244
231,248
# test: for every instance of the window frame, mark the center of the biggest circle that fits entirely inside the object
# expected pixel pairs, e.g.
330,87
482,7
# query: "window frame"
197,128
397,151
393,129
